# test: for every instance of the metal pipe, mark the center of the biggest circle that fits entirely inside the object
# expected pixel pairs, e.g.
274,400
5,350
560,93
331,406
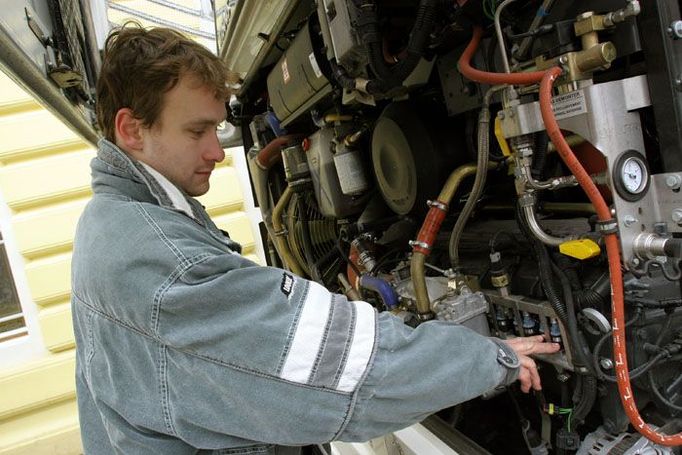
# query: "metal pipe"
500,36
537,22
479,183
417,270
350,292
280,232
20,68
539,233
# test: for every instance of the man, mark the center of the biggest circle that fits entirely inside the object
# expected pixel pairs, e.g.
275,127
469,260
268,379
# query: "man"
183,345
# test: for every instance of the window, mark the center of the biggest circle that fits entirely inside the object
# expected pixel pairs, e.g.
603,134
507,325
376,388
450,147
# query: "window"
12,323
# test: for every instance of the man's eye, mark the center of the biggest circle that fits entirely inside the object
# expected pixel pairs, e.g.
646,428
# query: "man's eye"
197,132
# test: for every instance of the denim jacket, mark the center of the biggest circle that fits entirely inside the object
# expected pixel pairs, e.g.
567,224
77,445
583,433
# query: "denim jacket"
184,346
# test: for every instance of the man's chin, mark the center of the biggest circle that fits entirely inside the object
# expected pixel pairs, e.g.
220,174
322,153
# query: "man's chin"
198,191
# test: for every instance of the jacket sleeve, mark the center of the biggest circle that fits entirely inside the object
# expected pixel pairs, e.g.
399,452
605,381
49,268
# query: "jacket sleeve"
260,354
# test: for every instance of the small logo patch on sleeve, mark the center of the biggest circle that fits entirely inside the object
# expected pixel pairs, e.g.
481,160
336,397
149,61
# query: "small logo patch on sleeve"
287,284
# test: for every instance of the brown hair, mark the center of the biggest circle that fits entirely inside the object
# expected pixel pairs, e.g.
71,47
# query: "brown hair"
139,66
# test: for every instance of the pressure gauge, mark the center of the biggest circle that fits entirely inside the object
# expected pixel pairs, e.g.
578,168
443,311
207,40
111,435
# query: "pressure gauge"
631,176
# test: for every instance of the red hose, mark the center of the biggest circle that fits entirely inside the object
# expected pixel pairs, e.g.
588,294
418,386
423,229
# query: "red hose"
547,79
485,77
271,153
612,251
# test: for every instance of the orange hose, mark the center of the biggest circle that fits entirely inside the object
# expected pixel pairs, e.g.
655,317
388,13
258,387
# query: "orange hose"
611,240
547,79
485,77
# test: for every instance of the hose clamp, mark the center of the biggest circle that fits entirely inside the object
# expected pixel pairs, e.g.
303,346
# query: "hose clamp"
419,244
607,227
281,233
438,204
527,200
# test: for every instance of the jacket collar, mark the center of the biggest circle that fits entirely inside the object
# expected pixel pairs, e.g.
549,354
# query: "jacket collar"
157,186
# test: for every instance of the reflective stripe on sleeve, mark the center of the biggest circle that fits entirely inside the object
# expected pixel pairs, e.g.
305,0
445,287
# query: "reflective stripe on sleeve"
361,348
309,333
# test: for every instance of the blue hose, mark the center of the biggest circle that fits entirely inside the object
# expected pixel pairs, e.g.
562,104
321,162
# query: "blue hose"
388,295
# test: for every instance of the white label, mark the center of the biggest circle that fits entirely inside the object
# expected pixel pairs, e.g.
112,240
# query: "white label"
285,72
569,105
316,67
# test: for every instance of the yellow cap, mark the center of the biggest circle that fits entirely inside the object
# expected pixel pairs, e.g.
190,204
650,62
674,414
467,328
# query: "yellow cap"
500,138
580,249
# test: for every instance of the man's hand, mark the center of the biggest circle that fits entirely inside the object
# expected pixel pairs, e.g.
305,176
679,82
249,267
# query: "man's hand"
524,347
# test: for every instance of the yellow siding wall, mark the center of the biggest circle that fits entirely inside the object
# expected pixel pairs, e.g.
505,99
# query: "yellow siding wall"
45,181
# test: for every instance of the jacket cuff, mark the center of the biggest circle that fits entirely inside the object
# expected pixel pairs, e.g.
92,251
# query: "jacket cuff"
507,357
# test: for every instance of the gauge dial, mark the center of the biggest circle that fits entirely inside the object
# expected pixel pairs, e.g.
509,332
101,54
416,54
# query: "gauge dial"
631,176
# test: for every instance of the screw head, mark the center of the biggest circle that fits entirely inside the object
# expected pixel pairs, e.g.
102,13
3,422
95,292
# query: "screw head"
606,364
629,220
675,29
563,59
585,15
677,216
673,181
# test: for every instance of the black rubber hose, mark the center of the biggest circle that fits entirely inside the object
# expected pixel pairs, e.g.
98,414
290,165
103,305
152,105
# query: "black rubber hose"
584,399
341,77
578,344
544,268
369,30
589,298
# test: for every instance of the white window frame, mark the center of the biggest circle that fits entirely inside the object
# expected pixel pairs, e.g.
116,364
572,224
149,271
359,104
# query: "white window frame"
30,347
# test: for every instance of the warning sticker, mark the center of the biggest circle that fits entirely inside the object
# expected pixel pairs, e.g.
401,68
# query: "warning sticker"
316,67
285,72
569,105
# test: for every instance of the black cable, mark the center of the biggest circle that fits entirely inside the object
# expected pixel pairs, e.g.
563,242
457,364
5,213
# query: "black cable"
495,237
634,373
655,304
539,155
650,375
383,260
345,257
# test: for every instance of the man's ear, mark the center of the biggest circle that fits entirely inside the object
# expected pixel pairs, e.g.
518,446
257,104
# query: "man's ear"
128,131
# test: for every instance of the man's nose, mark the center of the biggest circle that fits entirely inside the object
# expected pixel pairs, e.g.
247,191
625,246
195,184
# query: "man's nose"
214,152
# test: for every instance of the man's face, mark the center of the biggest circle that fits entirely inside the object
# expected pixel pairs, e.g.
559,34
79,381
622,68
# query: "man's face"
183,144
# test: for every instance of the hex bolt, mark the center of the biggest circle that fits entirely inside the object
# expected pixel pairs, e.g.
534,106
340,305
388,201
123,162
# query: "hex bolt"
606,364
629,220
677,216
675,29
673,181
563,377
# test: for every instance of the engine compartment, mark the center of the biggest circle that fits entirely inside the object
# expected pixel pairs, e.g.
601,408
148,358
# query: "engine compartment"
391,166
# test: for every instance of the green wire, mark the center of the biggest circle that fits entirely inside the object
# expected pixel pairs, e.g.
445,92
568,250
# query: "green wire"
570,414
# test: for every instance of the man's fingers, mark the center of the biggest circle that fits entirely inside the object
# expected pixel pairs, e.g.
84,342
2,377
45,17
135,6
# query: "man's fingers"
545,348
528,375
532,345
524,379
